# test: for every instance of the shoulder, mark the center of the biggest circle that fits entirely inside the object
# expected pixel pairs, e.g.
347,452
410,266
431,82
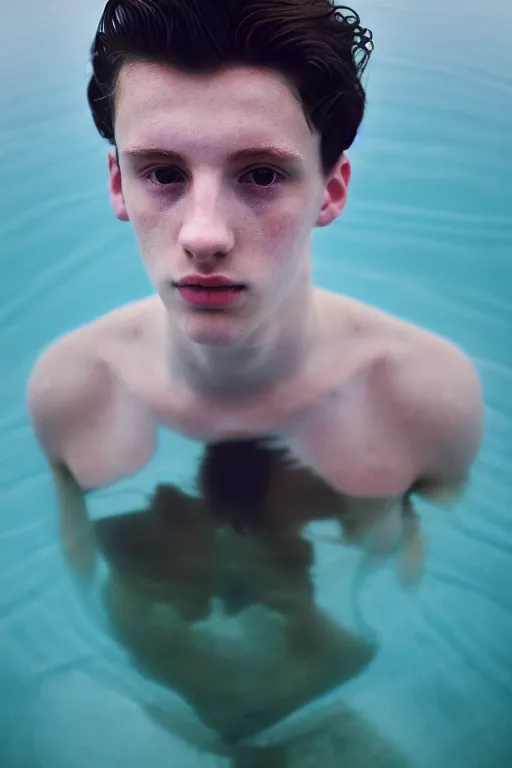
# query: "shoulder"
420,387
423,373
80,363
68,381
434,392
81,410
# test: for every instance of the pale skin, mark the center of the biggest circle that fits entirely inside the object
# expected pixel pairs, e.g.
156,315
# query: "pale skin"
372,404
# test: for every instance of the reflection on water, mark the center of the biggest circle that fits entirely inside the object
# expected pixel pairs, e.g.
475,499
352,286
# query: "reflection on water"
212,595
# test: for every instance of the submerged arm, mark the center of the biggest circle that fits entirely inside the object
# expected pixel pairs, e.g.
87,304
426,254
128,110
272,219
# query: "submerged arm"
76,529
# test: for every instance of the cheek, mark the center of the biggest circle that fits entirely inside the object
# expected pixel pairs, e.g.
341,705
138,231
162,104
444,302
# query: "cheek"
152,229
145,230
285,238
284,230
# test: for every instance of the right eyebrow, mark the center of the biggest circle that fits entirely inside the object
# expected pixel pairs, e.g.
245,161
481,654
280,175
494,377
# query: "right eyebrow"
140,153
276,154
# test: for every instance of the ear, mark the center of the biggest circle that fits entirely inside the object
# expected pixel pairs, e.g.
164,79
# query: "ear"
335,192
116,188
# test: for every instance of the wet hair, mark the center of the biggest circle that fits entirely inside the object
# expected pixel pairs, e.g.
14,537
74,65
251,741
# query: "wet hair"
320,47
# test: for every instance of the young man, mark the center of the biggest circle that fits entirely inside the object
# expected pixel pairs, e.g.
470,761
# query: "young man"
230,122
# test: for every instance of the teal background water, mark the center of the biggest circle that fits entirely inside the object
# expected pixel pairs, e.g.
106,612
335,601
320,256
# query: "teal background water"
427,235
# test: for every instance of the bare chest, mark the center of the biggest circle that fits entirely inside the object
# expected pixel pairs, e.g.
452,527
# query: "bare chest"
342,430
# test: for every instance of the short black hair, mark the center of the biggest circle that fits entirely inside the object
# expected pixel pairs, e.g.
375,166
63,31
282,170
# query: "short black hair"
321,47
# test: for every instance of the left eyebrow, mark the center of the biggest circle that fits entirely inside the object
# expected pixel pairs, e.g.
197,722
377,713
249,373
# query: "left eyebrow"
281,154
278,154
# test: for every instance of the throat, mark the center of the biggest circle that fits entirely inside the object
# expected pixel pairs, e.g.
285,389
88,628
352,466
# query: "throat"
233,374
275,350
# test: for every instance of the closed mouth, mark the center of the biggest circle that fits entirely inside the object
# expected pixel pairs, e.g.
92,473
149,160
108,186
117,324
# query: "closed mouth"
201,287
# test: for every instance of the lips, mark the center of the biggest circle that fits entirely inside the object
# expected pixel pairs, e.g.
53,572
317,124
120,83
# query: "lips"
209,291
208,281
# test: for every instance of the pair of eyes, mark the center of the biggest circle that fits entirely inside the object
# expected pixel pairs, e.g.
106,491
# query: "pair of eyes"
168,176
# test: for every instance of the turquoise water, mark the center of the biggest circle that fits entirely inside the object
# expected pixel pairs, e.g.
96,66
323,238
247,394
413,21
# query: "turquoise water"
428,236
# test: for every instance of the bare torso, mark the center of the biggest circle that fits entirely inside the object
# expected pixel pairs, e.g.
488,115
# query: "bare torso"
99,395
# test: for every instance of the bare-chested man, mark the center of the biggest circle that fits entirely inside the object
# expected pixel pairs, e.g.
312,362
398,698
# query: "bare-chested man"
230,123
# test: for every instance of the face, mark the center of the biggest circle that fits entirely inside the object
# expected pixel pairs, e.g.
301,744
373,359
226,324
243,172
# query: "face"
220,177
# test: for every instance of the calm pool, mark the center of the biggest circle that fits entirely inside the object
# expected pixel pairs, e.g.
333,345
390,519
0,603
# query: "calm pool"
427,235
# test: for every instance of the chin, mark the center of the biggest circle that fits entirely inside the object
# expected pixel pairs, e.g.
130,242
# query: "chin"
213,329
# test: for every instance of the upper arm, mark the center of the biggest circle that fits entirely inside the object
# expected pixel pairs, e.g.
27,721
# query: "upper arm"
69,392
442,405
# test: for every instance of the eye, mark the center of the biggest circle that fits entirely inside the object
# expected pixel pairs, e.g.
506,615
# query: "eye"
167,175
263,177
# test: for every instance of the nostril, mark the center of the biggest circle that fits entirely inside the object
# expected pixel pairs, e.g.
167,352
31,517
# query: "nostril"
204,255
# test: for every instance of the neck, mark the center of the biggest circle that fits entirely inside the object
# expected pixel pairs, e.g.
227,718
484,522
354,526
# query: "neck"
271,353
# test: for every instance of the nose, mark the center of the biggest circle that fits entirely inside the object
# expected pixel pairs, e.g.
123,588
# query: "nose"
205,235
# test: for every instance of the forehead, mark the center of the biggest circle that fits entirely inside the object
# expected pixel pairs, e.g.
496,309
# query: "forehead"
157,105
